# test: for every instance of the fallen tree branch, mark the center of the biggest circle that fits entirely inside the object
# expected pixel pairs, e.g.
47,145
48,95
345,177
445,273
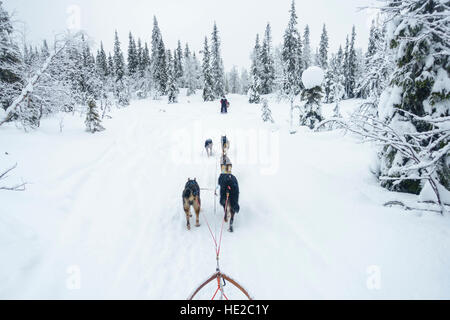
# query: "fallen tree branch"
18,187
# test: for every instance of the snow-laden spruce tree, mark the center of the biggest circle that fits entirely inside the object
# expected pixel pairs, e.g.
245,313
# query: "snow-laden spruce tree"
208,83
217,70
234,81
378,67
323,49
133,65
158,62
190,75
350,66
143,83
172,85
416,104
307,59
292,62
121,92
11,64
254,92
337,87
311,113
245,81
334,79
93,121
267,69
178,65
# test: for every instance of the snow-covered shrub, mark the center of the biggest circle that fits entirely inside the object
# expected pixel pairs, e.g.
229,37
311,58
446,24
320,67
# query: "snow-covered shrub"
266,112
311,113
93,121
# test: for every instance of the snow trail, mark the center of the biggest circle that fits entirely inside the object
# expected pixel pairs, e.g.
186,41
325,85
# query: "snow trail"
110,205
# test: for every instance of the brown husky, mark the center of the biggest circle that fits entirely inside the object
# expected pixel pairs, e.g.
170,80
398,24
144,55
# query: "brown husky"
191,197
225,145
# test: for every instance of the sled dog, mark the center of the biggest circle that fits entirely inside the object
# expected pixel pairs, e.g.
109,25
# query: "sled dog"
225,145
191,197
229,197
209,147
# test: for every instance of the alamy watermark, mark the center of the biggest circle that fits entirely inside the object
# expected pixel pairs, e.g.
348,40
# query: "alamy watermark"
254,147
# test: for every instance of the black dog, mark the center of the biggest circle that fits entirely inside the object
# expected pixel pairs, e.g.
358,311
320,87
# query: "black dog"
229,196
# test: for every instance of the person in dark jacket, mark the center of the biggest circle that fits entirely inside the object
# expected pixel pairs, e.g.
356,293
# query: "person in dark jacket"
229,196
224,105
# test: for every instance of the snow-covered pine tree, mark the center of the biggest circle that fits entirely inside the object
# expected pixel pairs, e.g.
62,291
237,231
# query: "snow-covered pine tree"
178,65
133,66
102,71
337,79
234,81
307,59
158,60
279,70
190,76
121,92
102,63
311,113
346,66
245,81
140,54
352,67
172,84
198,71
217,70
111,69
417,101
292,61
378,67
267,72
266,112
133,59
91,85
11,64
323,49
93,121
144,79
254,93
208,84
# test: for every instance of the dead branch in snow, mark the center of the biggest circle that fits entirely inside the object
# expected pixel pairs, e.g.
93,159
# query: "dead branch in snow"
18,187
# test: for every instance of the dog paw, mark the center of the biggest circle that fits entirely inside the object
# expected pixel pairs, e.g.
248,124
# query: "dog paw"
197,225
188,228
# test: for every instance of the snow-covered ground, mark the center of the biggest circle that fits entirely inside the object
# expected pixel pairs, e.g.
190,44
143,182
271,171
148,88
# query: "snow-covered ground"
102,215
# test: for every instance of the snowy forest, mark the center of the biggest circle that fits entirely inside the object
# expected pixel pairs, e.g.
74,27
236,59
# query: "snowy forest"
392,97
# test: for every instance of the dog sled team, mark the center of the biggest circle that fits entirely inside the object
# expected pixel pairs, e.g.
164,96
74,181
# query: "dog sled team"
228,184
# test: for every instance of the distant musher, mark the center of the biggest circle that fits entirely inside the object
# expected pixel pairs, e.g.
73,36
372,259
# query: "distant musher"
225,105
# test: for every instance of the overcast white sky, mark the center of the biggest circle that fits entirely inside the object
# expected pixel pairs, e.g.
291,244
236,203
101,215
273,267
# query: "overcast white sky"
190,20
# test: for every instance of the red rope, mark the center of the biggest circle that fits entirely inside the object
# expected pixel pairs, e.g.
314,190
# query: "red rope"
218,247
219,288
